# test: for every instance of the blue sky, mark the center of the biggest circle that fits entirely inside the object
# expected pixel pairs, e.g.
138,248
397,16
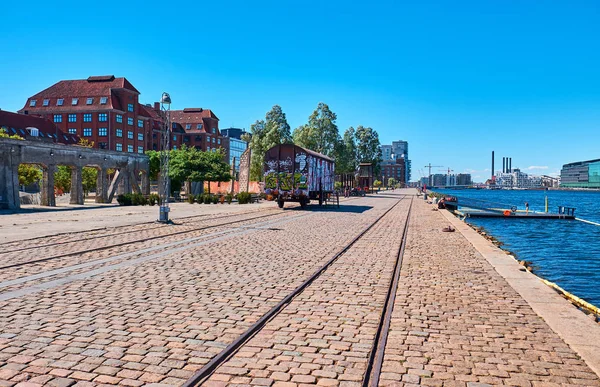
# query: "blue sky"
455,79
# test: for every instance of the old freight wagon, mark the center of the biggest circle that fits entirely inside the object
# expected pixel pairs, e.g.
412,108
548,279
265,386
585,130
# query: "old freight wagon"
295,174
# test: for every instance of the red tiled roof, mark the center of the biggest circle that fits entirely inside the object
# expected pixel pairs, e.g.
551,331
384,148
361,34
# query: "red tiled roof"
192,115
18,123
93,87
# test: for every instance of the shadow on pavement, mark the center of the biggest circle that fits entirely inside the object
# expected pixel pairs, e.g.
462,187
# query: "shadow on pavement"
332,208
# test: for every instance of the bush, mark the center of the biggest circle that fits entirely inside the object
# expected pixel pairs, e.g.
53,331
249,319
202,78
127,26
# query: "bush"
153,199
215,199
207,199
228,198
124,199
137,199
191,199
244,197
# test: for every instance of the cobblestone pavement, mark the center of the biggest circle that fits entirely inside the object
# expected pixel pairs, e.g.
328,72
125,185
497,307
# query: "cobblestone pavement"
158,321
456,321
325,335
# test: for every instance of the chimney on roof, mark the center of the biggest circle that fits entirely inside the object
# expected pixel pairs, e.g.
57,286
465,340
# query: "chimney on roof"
156,105
101,78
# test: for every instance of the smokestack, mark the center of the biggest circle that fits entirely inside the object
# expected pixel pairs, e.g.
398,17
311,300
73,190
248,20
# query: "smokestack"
510,165
503,164
492,164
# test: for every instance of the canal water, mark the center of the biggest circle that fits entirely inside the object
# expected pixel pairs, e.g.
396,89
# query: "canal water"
566,252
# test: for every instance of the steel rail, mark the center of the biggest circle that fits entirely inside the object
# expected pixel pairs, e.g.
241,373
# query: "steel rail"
209,368
133,242
376,355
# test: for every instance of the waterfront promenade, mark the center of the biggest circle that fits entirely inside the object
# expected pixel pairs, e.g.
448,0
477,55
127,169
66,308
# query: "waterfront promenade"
147,304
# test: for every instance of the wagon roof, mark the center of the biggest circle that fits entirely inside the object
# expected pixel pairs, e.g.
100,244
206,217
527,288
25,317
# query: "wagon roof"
310,152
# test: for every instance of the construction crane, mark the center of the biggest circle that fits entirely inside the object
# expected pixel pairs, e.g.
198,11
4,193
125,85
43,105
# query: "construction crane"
432,166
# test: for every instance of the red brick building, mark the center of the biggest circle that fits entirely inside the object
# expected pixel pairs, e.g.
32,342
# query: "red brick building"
102,109
201,128
393,169
34,128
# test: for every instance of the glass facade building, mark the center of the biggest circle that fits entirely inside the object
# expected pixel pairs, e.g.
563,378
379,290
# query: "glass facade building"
581,174
236,148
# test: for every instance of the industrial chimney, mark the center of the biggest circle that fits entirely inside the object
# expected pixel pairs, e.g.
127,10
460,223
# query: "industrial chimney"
492,165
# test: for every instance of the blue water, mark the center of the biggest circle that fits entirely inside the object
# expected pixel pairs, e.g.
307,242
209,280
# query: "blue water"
566,252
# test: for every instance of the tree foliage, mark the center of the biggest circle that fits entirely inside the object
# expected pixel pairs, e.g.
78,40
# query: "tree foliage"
368,147
154,164
190,164
345,159
89,176
267,133
29,174
320,133
62,178
4,134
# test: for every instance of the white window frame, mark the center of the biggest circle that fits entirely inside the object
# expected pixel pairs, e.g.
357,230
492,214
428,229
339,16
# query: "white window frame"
89,101
103,100
60,101
74,101
32,102
46,102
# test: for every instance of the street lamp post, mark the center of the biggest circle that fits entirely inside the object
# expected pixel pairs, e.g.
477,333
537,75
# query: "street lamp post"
165,183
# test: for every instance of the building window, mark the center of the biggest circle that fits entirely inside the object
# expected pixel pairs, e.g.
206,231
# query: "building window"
129,121
213,140
130,135
119,132
130,148
174,137
119,118
174,147
58,118
72,131
140,136
103,145
199,126
46,102
102,117
102,132
119,147
87,117
87,132
60,101
89,101
140,123
208,148
140,149
188,126
72,117
214,130
129,107
219,141
32,102
103,100
74,101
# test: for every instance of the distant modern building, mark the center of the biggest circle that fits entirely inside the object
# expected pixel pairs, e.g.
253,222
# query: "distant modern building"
464,179
517,179
550,181
236,145
398,149
581,174
438,180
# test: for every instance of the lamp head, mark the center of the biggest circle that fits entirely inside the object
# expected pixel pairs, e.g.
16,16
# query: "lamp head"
165,99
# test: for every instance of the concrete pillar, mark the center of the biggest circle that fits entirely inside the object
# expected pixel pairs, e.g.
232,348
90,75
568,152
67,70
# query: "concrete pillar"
47,196
9,192
145,183
125,183
76,186
102,186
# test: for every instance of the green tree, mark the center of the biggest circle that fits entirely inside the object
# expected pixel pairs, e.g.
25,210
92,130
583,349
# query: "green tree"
29,174
62,178
345,160
89,177
391,182
186,165
267,133
154,163
368,147
321,133
216,167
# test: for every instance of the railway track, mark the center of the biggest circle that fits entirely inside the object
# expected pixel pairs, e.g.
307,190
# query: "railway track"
131,242
375,359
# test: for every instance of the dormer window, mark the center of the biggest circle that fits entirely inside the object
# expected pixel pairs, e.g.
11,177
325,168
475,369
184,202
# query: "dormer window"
89,101
188,126
60,101
74,101
199,126
103,100
214,130
32,102
46,102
